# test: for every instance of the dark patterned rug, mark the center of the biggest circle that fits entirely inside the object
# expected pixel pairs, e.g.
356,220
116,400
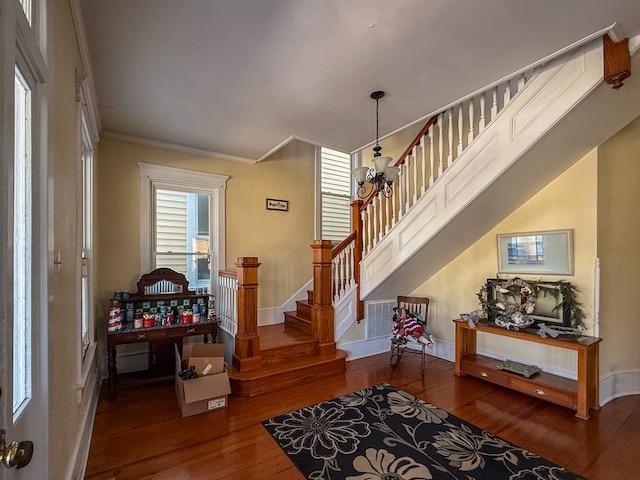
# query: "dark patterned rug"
383,433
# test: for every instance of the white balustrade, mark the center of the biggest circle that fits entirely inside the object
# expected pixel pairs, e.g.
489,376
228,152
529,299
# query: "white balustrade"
343,272
428,152
226,304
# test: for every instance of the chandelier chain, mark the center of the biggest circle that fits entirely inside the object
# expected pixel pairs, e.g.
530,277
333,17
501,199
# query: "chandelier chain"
377,129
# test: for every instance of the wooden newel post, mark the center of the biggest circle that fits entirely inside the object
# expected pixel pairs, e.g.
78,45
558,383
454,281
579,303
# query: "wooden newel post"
247,343
617,61
322,327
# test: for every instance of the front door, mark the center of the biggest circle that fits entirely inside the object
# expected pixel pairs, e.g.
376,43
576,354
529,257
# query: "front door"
23,248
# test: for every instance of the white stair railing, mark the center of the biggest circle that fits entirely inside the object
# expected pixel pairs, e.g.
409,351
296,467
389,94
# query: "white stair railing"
226,303
445,137
343,269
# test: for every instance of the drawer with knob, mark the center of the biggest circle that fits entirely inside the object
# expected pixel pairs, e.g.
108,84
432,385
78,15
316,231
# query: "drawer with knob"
485,372
544,392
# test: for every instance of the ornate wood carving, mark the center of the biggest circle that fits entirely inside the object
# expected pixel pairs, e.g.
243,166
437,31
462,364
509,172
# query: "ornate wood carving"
160,275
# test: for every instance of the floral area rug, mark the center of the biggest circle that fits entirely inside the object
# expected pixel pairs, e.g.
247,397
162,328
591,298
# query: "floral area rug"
383,433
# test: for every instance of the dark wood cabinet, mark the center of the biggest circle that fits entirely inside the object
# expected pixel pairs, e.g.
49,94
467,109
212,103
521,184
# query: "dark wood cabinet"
159,290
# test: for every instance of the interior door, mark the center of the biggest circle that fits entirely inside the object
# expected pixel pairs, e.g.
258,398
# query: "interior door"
23,256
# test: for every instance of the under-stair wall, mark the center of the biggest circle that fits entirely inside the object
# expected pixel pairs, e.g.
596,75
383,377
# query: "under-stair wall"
564,111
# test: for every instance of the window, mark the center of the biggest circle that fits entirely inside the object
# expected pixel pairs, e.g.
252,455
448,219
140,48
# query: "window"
335,180
22,236
87,133
182,237
87,333
182,222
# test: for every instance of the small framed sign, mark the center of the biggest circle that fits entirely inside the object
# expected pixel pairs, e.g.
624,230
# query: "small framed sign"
273,204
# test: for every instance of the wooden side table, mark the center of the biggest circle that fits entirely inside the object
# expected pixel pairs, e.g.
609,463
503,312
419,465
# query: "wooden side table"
580,395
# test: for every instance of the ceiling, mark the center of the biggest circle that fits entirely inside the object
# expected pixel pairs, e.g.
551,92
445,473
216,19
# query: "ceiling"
239,78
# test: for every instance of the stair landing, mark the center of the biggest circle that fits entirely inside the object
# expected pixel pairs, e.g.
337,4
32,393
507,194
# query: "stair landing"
288,358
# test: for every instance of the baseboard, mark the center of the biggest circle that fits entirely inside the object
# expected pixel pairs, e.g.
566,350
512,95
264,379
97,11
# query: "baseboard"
365,348
80,456
275,315
271,316
619,384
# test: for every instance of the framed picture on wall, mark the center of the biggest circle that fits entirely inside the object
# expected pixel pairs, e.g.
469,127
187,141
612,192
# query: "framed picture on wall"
273,204
543,253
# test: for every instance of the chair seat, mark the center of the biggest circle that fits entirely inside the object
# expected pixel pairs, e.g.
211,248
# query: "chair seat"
416,305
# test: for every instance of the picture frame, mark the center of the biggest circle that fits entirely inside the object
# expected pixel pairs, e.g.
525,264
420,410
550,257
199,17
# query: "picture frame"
275,204
548,252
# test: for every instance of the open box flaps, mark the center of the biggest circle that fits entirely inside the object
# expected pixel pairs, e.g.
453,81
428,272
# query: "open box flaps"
206,392
199,355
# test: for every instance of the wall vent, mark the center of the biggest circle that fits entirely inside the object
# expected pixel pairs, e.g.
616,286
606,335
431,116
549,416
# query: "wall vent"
378,318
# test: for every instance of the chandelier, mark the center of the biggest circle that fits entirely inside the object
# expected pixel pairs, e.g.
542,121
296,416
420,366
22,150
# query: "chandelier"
381,176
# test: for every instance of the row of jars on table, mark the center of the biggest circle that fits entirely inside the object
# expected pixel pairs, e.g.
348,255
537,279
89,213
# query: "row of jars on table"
165,316
168,316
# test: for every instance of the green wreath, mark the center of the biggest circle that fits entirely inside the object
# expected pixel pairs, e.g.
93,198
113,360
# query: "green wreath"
518,295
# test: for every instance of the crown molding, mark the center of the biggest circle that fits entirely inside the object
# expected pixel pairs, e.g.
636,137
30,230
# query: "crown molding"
89,87
177,147
288,141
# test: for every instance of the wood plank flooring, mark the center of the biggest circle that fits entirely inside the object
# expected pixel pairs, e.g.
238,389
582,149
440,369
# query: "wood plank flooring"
141,435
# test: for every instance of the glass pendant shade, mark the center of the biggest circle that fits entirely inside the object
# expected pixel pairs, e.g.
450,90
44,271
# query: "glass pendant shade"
382,176
392,174
360,174
381,164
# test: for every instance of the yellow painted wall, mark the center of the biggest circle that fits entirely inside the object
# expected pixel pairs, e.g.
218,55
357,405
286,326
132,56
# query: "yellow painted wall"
66,413
280,240
567,202
619,250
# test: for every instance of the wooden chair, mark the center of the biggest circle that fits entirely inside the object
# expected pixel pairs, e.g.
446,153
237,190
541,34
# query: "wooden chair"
413,305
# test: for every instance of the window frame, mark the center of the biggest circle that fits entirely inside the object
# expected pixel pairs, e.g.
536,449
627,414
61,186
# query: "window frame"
87,137
320,194
153,177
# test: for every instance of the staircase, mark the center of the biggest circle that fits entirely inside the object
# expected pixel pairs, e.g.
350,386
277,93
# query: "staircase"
467,171
302,349
472,164
301,317
288,358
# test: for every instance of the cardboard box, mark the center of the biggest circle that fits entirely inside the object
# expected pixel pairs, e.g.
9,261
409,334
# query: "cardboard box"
207,392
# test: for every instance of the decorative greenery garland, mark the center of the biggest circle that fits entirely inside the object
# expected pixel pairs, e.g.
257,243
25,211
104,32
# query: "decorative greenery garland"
518,295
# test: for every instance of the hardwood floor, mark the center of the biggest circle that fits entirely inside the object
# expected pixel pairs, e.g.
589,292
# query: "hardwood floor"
141,435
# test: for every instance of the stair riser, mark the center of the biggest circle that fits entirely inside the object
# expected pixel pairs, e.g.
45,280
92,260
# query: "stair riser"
285,379
282,353
296,322
303,310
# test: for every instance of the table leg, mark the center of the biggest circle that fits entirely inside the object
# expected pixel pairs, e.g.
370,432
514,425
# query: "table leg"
113,372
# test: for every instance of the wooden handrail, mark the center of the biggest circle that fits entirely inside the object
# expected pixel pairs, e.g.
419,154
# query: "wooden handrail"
227,274
335,251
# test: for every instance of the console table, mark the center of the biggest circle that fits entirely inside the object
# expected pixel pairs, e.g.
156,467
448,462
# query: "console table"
160,289
155,336
580,395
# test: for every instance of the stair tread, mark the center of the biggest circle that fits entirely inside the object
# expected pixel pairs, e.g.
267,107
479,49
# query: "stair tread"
281,335
295,363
